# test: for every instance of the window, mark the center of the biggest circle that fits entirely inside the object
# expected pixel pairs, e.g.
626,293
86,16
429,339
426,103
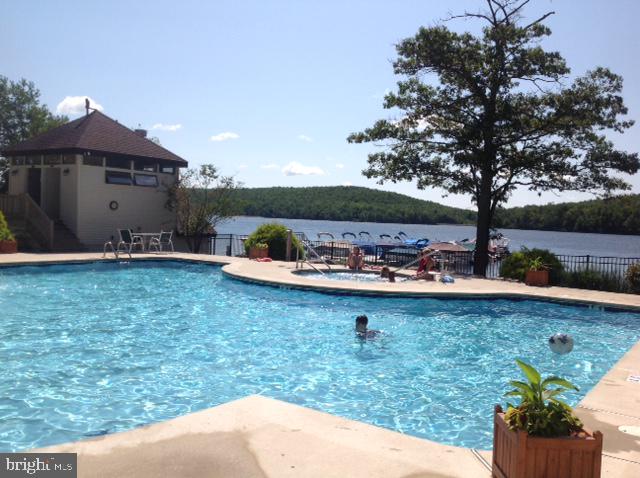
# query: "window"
120,163
31,160
69,159
141,165
168,169
18,161
118,177
145,180
51,159
92,161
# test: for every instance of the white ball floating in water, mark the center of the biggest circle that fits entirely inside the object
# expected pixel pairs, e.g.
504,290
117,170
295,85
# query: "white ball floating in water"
561,343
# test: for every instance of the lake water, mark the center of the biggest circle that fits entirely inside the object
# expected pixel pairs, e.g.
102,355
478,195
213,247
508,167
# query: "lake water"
570,243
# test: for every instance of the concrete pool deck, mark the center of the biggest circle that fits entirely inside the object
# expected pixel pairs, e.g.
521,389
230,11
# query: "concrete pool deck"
261,437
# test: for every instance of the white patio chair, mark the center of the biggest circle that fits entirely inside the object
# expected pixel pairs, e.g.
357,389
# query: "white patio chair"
161,241
128,241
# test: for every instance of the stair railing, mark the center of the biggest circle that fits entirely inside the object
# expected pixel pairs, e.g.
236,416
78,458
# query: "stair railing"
12,206
309,249
38,221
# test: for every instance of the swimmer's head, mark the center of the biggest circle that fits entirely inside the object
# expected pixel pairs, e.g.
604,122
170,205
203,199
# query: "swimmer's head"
361,323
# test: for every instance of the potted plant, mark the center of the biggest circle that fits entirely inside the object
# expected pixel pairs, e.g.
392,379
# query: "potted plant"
538,273
541,436
259,250
8,244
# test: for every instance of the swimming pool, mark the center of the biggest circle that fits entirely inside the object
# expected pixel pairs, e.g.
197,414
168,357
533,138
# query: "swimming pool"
98,348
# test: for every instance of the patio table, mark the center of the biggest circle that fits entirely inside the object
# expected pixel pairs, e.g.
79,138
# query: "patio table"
146,238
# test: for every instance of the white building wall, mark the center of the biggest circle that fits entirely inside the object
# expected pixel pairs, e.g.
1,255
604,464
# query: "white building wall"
141,209
18,180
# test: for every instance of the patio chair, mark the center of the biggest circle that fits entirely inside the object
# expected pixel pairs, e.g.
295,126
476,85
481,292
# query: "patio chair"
128,241
162,241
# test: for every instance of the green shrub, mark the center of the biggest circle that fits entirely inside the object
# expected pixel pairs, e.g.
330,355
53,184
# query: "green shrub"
516,265
275,236
5,232
590,279
633,277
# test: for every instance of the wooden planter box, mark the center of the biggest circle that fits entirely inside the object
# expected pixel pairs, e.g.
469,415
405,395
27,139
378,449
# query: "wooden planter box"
518,455
8,247
537,278
257,252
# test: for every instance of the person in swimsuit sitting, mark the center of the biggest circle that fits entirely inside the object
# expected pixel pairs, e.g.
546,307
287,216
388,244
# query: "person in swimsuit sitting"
426,265
361,328
356,259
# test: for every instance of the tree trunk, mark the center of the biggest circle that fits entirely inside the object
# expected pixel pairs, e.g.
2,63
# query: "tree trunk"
481,257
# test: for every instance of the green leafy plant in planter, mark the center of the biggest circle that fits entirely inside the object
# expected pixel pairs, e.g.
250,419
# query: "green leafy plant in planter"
541,434
537,264
7,239
540,412
274,235
516,265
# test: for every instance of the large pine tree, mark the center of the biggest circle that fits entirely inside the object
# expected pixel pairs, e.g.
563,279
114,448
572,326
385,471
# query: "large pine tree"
497,117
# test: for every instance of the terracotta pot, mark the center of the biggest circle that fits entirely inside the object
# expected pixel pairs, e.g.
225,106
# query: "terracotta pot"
258,252
537,278
8,247
518,455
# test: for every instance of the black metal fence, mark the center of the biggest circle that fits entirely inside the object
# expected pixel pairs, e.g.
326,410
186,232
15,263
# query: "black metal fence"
227,245
586,272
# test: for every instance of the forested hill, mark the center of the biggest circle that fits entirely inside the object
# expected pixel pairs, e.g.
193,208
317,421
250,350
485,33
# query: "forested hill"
347,203
617,215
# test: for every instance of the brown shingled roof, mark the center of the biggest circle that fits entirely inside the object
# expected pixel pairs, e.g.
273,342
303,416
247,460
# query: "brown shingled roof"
96,133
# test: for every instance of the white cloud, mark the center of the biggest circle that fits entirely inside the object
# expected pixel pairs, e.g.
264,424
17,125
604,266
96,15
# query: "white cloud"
167,127
243,166
270,166
224,136
74,105
347,183
339,166
305,138
294,168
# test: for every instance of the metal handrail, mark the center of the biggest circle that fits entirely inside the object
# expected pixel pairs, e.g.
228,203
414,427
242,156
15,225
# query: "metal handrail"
310,247
408,264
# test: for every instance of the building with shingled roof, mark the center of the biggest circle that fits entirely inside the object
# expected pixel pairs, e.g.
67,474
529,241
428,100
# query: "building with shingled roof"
88,178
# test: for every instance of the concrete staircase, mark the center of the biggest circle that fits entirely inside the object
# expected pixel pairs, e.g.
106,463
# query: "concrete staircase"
35,230
64,240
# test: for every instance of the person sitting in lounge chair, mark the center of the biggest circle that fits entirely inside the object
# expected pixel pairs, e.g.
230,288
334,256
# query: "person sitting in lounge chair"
356,259
426,265
361,328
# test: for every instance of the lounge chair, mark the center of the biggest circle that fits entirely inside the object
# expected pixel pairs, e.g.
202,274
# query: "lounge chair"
128,241
162,241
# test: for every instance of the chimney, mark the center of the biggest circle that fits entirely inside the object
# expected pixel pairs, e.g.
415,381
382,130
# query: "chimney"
140,132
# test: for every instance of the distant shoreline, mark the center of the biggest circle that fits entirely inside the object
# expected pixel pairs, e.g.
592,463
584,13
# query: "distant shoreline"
438,224
619,215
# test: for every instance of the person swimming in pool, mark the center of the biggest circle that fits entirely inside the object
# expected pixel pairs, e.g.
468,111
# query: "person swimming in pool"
362,330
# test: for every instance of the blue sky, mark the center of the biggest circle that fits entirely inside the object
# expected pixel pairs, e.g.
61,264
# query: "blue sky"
279,84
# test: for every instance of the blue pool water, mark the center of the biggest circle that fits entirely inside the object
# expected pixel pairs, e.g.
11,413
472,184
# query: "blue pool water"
350,276
93,349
